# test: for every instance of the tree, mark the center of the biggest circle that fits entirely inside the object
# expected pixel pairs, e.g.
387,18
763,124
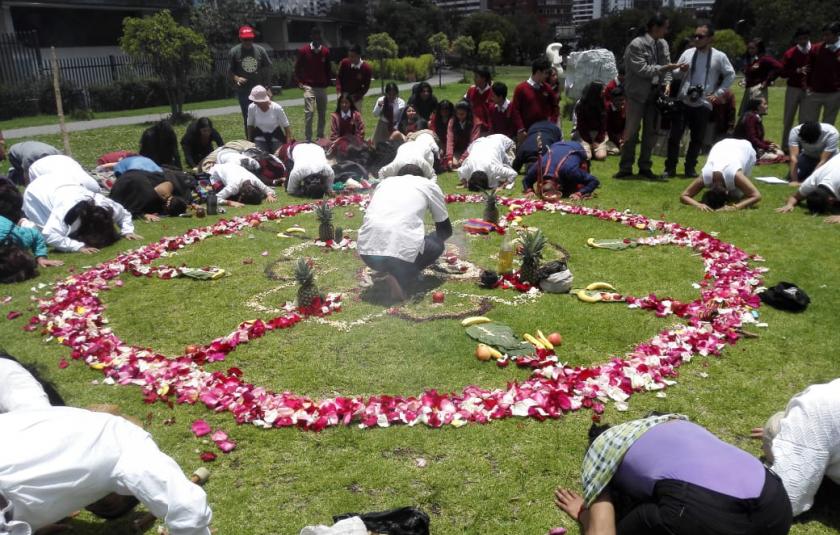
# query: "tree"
410,23
478,23
731,44
439,43
493,35
173,51
776,20
489,52
219,21
464,48
530,38
382,46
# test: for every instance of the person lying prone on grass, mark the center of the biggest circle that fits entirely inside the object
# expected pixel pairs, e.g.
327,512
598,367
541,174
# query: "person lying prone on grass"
239,186
726,176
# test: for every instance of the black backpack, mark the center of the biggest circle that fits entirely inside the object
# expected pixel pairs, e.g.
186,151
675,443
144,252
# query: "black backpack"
786,296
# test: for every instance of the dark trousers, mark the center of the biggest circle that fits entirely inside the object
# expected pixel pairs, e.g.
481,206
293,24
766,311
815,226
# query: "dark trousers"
680,508
696,119
406,272
244,102
269,141
805,165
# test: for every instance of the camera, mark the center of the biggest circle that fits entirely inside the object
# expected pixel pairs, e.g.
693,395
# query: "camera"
694,93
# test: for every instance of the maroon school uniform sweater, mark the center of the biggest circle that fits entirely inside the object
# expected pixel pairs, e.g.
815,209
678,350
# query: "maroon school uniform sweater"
824,76
353,81
587,122
480,103
752,129
534,105
354,126
311,68
458,139
615,123
763,69
505,122
793,59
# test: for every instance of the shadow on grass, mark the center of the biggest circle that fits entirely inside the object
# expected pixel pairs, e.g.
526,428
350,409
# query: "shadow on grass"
825,509
378,293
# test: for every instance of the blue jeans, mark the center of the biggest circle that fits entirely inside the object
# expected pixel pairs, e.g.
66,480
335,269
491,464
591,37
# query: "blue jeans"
805,165
406,272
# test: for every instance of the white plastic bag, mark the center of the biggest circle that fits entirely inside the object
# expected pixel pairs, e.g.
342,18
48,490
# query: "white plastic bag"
348,526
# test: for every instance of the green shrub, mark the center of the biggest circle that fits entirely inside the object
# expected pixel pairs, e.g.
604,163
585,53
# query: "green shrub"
409,68
17,101
283,72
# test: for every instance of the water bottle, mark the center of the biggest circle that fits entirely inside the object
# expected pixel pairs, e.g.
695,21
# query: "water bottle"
506,255
212,203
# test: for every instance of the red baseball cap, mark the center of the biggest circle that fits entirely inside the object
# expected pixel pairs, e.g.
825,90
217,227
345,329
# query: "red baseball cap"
246,32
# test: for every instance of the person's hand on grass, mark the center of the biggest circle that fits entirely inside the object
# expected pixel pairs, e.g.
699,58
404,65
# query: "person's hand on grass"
794,184
833,220
88,250
271,198
569,502
704,207
235,204
133,237
757,433
43,261
151,218
784,209
576,196
727,208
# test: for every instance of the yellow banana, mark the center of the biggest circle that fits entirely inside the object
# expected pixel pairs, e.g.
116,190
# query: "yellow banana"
475,320
587,297
541,337
533,341
591,242
601,286
495,353
295,230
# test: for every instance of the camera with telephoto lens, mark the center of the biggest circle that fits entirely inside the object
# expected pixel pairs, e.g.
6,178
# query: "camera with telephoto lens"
694,93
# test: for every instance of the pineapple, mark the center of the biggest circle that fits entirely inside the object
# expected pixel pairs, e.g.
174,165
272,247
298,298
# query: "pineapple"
324,213
533,244
491,209
305,276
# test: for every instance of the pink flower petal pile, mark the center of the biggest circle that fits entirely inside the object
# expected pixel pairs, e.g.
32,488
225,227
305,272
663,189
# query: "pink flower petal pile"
74,315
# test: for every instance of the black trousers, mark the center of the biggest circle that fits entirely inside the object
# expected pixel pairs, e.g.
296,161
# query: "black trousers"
696,119
680,508
406,272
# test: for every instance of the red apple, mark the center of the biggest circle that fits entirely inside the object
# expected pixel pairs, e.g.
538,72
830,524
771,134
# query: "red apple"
437,297
555,338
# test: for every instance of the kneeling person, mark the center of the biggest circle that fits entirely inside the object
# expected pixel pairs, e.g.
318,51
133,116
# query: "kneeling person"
726,175
311,175
393,238
240,186
821,191
421,152
566,165
487,165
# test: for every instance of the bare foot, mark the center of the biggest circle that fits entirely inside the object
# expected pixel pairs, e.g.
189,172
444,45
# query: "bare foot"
397,293
569,502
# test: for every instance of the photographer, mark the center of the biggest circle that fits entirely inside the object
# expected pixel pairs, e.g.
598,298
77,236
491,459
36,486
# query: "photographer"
706,75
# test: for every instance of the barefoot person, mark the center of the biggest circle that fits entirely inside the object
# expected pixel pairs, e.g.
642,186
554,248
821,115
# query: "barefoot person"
393,238
802,443
676,478
56,460
726,176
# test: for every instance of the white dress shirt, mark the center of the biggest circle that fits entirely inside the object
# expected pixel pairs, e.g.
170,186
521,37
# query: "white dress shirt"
233,176
309,159
807,447
489,154
59,460
728,156
393,224
61,164
47,200
398,106
420,152
19,390
827,175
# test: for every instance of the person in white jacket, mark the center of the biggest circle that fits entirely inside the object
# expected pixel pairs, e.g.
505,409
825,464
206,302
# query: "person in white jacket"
488,163
239,186
803,443
311,175
59,164
57,460
420,151
21,390
73,218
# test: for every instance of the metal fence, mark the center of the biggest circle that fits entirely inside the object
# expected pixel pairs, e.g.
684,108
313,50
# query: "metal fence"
20,57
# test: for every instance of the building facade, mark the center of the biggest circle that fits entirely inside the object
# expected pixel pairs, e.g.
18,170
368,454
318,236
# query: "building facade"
462,6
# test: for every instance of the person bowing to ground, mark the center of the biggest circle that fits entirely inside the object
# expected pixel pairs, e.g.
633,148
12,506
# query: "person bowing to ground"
821,191
726,176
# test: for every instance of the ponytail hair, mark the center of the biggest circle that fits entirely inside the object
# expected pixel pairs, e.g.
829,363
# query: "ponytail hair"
16,263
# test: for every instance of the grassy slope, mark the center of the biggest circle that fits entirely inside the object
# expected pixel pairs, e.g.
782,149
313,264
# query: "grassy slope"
479,479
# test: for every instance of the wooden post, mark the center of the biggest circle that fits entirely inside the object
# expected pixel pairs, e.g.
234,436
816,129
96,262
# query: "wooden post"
59,107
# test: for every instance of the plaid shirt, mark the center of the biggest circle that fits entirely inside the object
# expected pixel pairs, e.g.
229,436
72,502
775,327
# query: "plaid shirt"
607,451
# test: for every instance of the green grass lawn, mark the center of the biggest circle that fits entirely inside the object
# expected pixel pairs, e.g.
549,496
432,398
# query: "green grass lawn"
491,479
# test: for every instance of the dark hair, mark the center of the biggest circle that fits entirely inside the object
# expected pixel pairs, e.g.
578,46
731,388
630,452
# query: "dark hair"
160,144
482,72
410,169
810,131
468,122
753,104
802,30
356,49
16,263
391,86
657,19
540,64
249,193
478,181
499,89
52,394
617,91
419,87
338,102
832,27
714,199
759,45
710,29
175,206
425,108
621,68
203,122
312,186
819,201
11,201
595,431
592,101
96,226
439,122
384,153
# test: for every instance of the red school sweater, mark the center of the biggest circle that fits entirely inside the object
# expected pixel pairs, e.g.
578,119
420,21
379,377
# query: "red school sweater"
824,76
311,68
353,81
480,103
534,105
507,122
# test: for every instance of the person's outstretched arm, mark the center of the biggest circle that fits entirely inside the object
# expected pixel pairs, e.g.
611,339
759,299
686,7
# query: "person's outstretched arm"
687,196
751,193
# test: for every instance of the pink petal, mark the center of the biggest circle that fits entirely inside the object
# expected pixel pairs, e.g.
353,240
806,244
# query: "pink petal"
12,315
226,445
218,436
63,364
200,428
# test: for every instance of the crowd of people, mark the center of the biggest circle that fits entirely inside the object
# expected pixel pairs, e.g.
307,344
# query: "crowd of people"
660,474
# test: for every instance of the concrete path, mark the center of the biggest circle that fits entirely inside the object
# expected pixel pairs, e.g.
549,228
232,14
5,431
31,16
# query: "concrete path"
78,126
